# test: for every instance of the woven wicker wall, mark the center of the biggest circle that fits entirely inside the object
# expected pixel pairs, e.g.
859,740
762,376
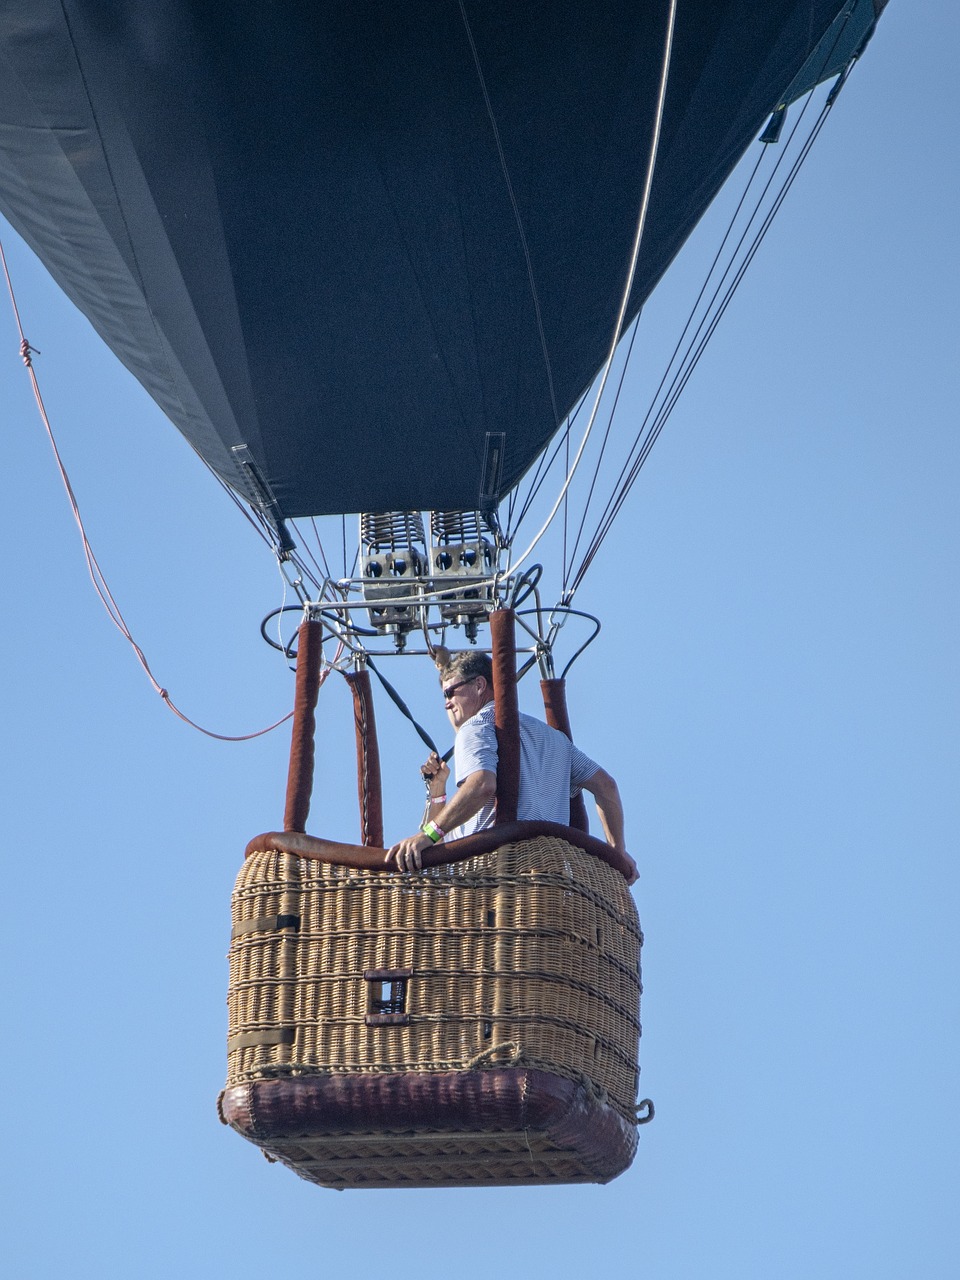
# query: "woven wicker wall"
526,956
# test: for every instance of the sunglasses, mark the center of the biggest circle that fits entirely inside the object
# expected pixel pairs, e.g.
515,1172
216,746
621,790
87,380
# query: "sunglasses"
451,689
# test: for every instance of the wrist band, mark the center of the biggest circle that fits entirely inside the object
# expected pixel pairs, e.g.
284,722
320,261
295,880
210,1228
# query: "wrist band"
431,830
439,799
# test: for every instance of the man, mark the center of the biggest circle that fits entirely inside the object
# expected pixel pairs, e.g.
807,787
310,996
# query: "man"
551,770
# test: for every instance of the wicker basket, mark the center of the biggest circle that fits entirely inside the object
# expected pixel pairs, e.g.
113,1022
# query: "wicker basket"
476,1023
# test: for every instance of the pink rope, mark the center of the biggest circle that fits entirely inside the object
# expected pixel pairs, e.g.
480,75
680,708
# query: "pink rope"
27,353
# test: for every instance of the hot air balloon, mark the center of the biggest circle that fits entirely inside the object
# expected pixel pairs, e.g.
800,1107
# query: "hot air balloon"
369,259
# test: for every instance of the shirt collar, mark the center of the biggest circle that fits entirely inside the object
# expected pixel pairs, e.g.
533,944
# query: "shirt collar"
483,716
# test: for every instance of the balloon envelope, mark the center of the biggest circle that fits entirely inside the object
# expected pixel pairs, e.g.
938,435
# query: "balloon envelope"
345,243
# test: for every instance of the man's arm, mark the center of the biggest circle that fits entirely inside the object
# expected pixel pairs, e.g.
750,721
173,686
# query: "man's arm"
606,793
477,790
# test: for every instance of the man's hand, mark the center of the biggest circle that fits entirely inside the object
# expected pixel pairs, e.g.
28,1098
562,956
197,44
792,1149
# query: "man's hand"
435,773
478,789
634,875
408,854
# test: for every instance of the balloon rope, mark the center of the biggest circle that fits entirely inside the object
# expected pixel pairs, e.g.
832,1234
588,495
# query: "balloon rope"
27,353
716,308
660,410
628,287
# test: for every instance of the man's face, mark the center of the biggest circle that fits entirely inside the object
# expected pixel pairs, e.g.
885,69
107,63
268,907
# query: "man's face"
464,698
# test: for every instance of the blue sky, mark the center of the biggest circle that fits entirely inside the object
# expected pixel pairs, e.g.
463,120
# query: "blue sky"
775,688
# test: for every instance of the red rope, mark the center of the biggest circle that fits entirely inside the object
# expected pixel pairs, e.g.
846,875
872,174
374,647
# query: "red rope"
93,568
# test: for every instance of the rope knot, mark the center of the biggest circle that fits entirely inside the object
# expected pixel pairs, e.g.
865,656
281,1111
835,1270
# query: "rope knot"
27,352
494,1056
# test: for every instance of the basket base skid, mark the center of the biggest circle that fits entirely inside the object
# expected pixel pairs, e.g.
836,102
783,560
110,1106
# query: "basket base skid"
505,1127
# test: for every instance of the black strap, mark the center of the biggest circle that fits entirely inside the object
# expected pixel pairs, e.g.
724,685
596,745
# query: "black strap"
265,924
248,1039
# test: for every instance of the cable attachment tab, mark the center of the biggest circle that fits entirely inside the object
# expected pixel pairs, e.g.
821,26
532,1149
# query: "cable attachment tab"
260,496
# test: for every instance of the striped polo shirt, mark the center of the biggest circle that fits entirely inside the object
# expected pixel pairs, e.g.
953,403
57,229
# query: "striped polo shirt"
552,769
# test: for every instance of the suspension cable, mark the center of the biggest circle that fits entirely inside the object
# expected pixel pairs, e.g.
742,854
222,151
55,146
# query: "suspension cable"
643,444
542,470
666,374
628,287
680,382
567,565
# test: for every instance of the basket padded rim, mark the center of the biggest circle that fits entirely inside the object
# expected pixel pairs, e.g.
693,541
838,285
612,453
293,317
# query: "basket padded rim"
505,1100
369,858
